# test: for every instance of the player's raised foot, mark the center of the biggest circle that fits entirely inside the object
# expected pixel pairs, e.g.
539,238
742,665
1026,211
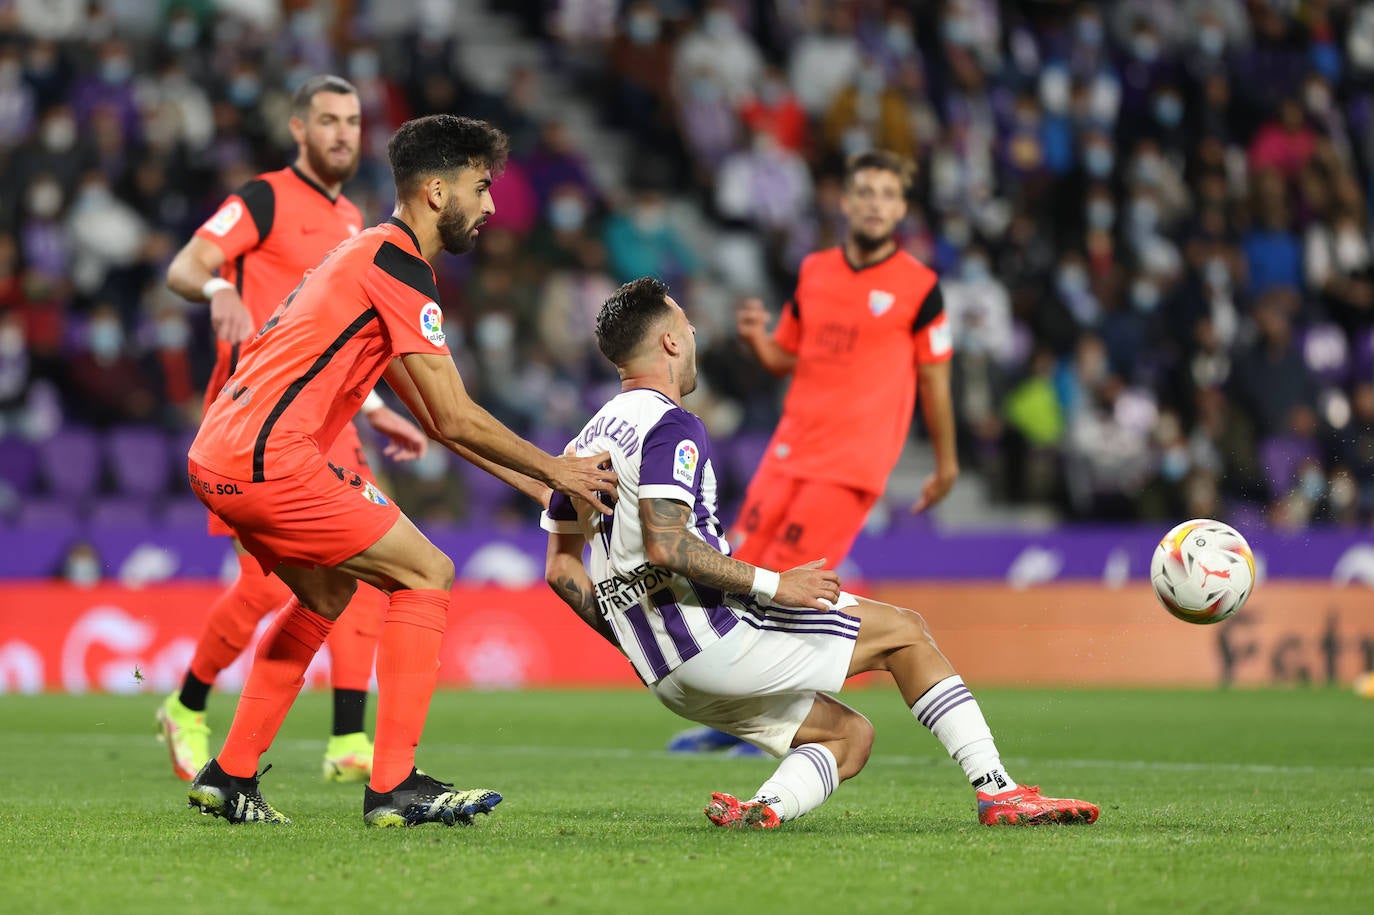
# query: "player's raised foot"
421,799
186,735
348,758
238,800
1024,805
729,812
702,739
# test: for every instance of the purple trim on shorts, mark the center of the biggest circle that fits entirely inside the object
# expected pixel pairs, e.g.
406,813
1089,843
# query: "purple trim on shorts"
817,759
799,629
782,611
954,695
805,618
675,624
648,645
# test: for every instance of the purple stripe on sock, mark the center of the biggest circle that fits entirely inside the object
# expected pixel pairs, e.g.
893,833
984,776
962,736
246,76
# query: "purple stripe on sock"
818,760
940,701
644,635
958,702
675,624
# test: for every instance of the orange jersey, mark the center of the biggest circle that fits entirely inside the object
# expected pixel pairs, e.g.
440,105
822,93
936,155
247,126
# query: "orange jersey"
308,369
272,230
858,335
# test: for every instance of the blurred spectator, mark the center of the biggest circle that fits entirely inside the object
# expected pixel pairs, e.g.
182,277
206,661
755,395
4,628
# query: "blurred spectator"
106,384
641,241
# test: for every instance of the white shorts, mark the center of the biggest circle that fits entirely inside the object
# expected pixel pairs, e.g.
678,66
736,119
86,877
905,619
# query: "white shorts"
761,678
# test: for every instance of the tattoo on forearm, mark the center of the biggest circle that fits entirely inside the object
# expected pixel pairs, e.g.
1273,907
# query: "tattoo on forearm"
583,603
666,522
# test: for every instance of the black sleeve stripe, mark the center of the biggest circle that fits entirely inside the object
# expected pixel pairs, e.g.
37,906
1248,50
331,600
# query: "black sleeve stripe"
931,308
405,267
795,308
261,201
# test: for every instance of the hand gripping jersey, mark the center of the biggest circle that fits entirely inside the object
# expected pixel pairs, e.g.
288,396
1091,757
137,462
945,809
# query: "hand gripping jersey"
308,369
858,335
659,451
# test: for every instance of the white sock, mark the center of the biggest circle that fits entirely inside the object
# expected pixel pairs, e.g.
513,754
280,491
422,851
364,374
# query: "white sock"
953,716
801,783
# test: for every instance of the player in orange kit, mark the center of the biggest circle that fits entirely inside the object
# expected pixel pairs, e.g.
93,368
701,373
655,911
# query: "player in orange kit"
370,307
863,333
245,260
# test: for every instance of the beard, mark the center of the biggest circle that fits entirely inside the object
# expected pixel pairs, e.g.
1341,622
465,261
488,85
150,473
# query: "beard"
869,243
455,231
327,172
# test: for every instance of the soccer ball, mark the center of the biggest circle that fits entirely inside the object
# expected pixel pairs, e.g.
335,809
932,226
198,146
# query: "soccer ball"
1202,571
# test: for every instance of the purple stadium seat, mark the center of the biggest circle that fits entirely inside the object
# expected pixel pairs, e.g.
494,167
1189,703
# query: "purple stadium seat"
45,514
139,460
485,493
739,457
18,464
179,444
70,463
185,512
1364,355
1326,352
1281,456
120,511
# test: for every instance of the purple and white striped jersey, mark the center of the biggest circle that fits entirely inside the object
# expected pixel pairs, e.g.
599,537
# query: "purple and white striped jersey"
659,451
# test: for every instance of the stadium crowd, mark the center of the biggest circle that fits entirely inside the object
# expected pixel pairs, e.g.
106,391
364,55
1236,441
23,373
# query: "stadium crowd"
1150,218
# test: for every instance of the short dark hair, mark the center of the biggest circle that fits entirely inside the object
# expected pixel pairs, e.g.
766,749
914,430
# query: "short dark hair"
888,161
442,144
301,99
627,316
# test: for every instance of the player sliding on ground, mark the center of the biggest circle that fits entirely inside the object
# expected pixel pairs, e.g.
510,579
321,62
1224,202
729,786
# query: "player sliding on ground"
739,648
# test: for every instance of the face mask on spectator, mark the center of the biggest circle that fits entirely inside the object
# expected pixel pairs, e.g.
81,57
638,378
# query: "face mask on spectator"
1089,31
59,134
115,70
11,341
975,269
363,65
244,90
1217,274
1169,110
1145,47
649,217
1211,40
957,232
1098,160
718,24
704,89
1147,168
104,338
1144,295
642,28
1144,215
1072,279
957,31
1313,484
83,571
1101,214
1318,98
1054,90
45,199
173,333
898,39
182,33
1173,466
494,332
567,213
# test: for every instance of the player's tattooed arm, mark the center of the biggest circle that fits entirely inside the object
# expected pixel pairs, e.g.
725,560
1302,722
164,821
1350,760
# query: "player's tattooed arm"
669,542
565,574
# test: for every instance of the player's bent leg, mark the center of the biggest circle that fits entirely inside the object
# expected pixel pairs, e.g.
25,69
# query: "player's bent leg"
832,744
897,640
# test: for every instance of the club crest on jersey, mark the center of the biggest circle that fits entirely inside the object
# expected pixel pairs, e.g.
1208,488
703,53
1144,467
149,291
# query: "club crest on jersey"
879,301
685,462
373,494
941,341
227,217
432,323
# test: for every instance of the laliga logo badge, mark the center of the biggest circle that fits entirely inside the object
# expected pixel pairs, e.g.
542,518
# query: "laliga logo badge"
432,323
685,462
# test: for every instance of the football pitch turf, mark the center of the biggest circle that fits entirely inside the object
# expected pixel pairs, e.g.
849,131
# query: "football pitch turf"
1212,801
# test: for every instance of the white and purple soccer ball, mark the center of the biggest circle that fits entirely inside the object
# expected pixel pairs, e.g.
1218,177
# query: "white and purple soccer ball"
1203,571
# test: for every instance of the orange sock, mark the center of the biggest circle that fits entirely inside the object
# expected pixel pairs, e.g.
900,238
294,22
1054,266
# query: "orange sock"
277,675
407,669
234,616
353,641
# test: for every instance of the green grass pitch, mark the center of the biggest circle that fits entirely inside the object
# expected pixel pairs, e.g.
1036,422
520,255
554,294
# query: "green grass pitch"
1212,802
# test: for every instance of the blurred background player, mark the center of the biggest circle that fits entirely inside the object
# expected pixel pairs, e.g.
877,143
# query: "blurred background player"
721,641
863,333
245,260
257,463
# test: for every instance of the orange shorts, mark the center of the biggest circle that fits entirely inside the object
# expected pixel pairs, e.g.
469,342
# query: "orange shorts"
347,451
317,518
786,521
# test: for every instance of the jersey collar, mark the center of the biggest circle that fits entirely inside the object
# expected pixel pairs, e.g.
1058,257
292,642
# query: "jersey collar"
857,268
310,183
409,231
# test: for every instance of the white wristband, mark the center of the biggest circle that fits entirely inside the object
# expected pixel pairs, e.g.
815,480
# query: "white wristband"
372,403
213,285
765,584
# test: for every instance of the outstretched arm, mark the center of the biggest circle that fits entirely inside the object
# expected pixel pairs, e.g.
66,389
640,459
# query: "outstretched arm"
567,576
670,543
751,323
